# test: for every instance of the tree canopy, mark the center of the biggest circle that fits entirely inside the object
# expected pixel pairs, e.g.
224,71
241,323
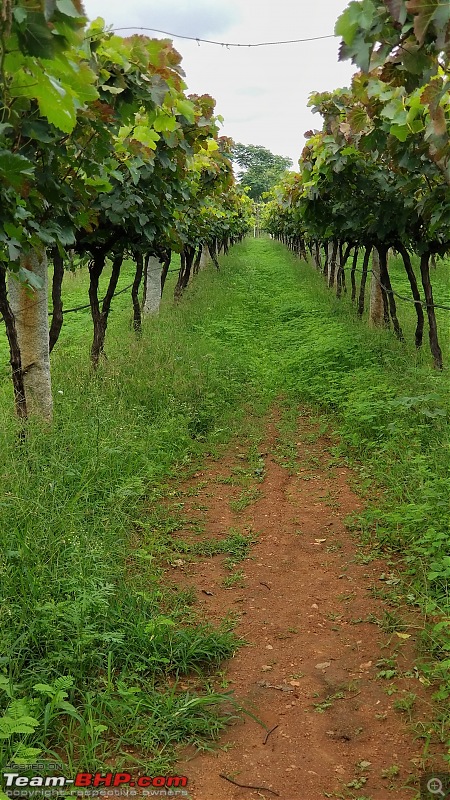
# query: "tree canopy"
260,169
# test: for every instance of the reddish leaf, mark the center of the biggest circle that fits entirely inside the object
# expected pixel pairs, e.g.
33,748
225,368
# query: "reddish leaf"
423,11
397,10
439,121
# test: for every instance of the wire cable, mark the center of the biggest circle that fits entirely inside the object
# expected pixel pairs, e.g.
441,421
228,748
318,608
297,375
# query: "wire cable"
402,296
199,40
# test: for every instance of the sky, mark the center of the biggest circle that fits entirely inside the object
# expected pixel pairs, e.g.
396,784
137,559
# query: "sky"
262,92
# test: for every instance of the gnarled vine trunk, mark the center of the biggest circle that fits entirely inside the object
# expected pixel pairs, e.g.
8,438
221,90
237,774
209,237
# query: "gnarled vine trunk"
137,316
376,307
100,315
428,292
57,314
388,293
333,263
415,293
14,350
212,247
317,260
362,285
30,310
165,269
326,250
353,272
187,260
340,275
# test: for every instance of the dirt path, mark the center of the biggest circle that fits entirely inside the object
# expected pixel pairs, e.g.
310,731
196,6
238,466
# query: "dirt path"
307,606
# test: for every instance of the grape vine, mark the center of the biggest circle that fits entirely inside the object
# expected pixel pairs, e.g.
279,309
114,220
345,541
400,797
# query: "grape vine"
376,176
102,155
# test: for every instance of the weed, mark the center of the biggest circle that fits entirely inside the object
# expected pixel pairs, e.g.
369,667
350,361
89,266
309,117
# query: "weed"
234,580
366,558
391,622
334,617
323,706
406,704
236,545
357,783
247,497
391,772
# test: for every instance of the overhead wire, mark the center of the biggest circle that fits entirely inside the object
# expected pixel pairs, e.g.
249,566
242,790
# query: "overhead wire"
85,307
402,296
200,40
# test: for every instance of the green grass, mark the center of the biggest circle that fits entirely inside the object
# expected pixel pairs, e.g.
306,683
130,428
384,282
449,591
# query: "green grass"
236,545
84,535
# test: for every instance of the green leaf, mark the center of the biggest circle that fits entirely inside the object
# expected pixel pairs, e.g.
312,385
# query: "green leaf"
5,126
44,687
165,122
79,77
347,24
67,8
15,169
56,102
59,110
13,249
35,37
37,129
26,276
147,136
112,89
20,14
186,108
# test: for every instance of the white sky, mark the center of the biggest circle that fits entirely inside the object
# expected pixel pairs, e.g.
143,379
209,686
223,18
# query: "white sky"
262,93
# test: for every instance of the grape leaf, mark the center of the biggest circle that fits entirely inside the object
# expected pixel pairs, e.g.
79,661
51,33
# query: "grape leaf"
14,168
397,10
35,37
67,8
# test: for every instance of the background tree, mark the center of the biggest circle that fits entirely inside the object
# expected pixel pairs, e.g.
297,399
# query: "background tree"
260,169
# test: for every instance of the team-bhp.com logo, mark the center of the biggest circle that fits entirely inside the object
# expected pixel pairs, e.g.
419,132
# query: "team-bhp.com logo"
90,783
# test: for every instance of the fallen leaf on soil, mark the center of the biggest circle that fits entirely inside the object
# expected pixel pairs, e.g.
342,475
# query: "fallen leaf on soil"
266,667
294,683
319,541
366,665
324,665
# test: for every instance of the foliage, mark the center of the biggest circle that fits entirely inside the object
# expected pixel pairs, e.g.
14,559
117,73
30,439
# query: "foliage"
102,153
260,169
377,174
